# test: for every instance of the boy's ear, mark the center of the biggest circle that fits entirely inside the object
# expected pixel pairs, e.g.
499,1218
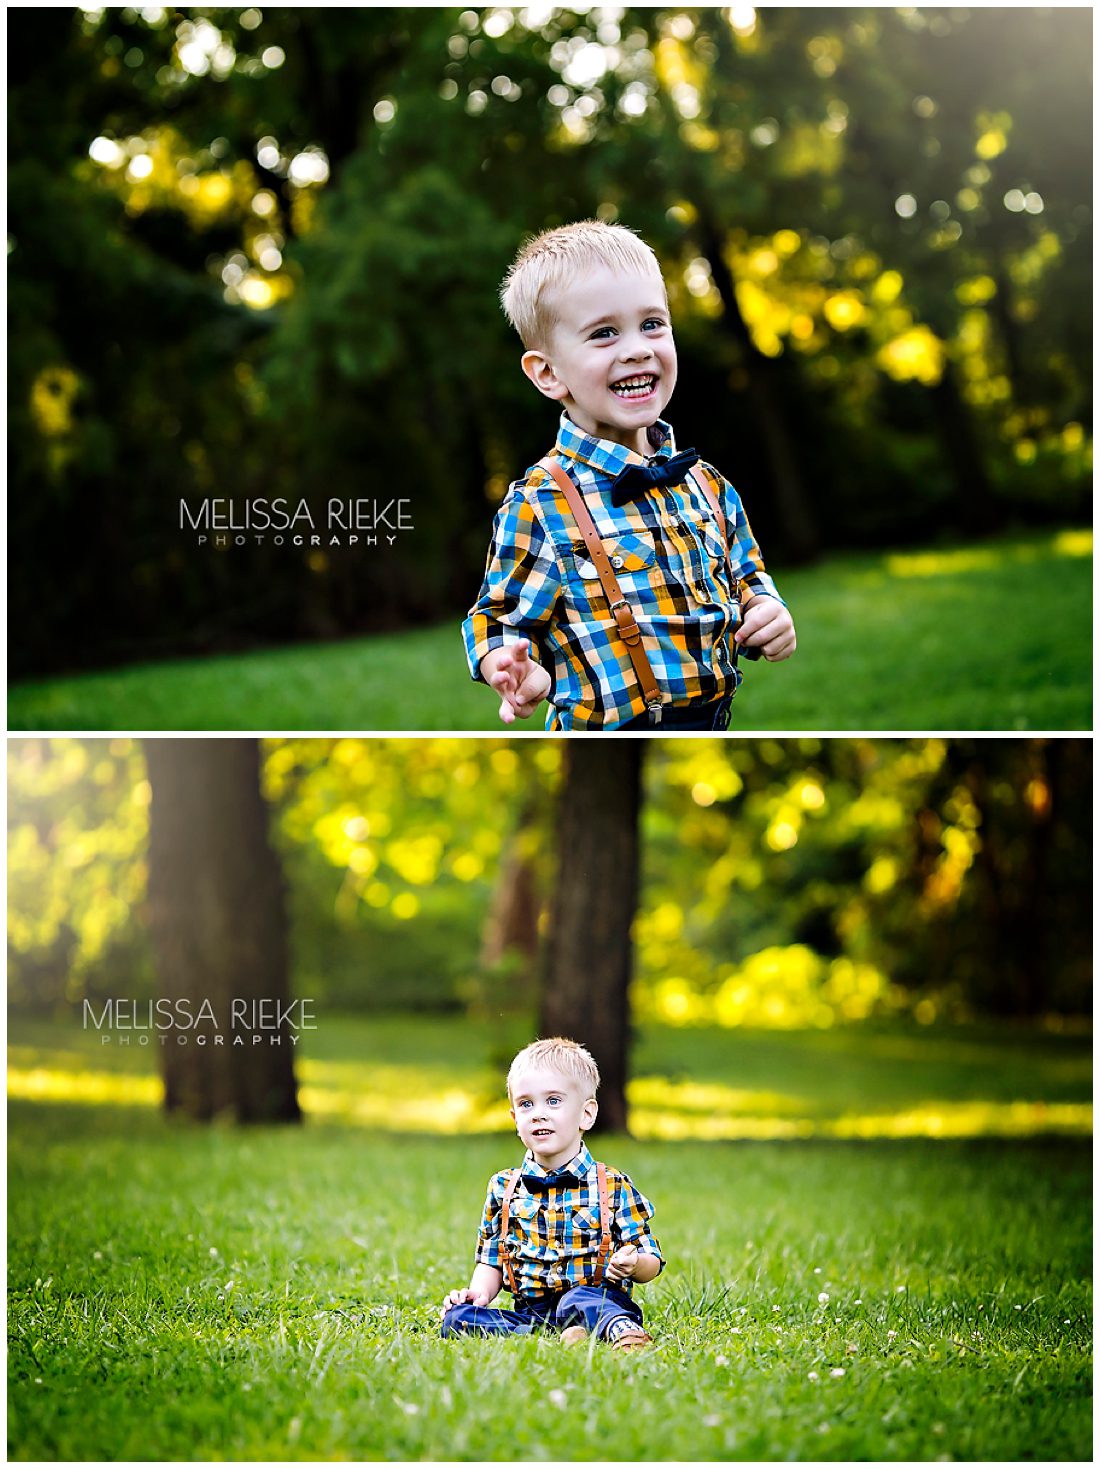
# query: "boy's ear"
538,367
588,1115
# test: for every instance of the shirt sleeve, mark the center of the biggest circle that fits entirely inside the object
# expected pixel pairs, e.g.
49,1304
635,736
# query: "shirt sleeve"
746,562
522,583
630,1223
488,1235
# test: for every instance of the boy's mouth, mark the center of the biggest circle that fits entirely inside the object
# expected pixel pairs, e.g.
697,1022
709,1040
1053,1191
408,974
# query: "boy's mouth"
639,386
543,1132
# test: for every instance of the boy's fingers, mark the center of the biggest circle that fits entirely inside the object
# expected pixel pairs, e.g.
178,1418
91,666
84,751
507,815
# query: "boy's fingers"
777,638
506,712
755,623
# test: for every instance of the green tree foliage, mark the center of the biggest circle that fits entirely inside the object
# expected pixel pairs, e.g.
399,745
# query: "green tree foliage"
77,827
798,882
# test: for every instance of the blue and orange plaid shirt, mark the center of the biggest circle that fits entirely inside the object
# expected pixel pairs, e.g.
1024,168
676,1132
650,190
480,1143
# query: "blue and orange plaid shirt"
667,553
554,1233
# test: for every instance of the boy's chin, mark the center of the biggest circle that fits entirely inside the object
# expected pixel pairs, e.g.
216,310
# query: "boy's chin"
554,1147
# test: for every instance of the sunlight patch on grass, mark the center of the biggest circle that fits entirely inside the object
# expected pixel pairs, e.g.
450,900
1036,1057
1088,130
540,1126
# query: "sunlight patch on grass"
970,1119
657,1094
659,1109
451,1112
986,558
1073,543
85,1088
933,1120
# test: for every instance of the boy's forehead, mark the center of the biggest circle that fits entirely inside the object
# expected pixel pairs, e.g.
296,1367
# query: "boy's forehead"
597,287
543,1079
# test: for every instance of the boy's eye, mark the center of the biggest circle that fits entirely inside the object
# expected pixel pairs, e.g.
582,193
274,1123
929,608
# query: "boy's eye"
653,321
603,331
553,1101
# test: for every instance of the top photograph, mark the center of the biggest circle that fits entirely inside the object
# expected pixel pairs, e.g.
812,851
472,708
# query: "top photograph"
537,370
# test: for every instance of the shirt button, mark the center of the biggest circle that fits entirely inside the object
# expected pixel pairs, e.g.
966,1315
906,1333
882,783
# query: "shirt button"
618,563
701,595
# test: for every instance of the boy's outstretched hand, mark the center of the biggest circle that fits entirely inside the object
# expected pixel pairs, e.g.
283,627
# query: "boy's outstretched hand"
767,625
521,682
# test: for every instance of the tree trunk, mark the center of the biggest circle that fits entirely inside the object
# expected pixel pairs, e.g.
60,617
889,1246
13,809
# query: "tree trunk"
1000,309
589,955
962,454
218,926
796,513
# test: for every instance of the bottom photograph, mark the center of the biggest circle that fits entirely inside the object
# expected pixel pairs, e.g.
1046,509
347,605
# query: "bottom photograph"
549,1100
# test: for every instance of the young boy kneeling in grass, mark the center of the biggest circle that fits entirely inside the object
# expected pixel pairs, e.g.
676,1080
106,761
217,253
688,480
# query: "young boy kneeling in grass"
570,1235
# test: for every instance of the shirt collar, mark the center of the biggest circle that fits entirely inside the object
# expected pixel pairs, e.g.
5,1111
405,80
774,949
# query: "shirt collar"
577,1168
605,455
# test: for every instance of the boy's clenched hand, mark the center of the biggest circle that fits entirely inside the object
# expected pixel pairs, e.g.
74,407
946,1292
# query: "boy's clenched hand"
623,1263
521,682
767,625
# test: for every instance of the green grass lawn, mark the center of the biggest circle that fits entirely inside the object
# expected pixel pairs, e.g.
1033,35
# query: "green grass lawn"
179,1292
992,636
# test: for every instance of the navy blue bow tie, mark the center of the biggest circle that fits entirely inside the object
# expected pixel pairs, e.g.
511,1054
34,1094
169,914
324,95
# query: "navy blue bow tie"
635,479
538,1185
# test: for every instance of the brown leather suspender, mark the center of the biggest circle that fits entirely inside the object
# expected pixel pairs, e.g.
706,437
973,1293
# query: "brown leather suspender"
605,1228
620,608
506,1259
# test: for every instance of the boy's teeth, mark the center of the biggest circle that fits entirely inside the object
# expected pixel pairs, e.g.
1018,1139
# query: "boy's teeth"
633,387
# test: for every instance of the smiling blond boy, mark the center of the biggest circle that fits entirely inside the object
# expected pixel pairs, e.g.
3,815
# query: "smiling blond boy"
657,644
570,1236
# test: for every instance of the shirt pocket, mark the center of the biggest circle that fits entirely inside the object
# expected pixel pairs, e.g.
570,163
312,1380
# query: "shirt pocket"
523,1209
632,556
710,548
587,1222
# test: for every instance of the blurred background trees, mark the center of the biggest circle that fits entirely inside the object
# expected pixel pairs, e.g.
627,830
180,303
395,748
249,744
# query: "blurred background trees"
793,883
255,254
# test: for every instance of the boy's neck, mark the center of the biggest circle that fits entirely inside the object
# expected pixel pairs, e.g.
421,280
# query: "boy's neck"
558,1160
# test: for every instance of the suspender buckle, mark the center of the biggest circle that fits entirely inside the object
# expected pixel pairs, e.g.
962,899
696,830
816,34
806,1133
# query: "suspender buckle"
655,711
629,630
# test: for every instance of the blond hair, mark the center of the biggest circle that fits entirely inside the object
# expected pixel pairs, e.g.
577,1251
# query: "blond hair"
565,1057
548,262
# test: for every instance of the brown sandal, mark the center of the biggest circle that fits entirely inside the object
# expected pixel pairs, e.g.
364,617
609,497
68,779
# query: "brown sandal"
630,1340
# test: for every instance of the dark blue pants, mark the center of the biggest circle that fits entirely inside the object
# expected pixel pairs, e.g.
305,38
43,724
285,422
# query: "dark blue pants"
591,1306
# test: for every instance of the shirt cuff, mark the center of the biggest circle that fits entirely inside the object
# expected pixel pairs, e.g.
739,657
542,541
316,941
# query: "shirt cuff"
645,1244
499,637
760,584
